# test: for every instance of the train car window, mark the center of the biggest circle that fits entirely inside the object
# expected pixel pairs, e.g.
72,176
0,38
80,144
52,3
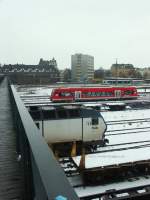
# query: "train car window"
84,94
35,114
99,94
72,94
34,108
89,94
65,94
68,94
38,125
106,94
103,94
128,92
110,93
49,114
97,107
94,121
93,94
62,114
73,113
62,94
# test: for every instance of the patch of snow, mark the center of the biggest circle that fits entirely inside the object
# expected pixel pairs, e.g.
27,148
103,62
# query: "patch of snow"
91,190
114,158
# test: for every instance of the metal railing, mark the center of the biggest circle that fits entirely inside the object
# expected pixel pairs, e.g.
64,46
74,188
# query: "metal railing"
1,77
44,179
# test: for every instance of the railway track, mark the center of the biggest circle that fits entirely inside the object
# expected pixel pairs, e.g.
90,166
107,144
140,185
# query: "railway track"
69,167
120,142
43,97
125,135
127,121
133,183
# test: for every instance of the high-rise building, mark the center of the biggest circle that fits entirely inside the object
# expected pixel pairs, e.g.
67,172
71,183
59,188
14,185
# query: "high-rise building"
82,67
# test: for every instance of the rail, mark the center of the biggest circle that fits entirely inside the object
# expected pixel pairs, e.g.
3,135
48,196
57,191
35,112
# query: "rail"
44,178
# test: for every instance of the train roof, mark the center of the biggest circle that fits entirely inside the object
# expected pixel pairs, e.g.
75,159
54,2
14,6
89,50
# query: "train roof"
87,112
63,112
114,158
105,103
115,104
98,87
117,86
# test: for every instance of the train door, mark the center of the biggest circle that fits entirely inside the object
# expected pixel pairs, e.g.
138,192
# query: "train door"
91,129
77,95
118,93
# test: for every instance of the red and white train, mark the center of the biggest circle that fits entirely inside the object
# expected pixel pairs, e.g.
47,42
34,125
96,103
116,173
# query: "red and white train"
93,94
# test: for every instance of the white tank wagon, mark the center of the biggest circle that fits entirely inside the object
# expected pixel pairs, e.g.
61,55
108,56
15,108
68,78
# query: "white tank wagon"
68,124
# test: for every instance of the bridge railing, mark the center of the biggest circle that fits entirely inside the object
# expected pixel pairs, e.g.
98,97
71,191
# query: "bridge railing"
44,179
1,77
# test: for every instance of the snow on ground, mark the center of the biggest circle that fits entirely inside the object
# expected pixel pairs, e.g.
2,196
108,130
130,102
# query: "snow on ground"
120,135
129,138
122,131
131,183
123,146
126,115
126,127
35,91
114,158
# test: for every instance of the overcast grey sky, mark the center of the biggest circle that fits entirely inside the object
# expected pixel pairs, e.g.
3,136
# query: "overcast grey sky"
106,29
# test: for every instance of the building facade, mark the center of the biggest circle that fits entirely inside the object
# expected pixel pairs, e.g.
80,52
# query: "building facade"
44,73
82,68
123,70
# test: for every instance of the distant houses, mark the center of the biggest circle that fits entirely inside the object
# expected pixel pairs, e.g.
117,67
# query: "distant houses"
44,72
82,70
